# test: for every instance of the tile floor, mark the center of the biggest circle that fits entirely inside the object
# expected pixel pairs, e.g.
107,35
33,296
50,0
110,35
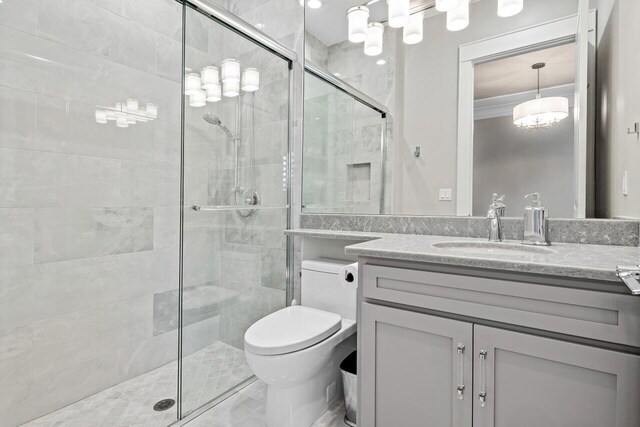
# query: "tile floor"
207,373
247,409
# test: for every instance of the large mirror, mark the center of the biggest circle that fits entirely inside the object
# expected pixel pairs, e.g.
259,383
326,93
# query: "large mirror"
428,107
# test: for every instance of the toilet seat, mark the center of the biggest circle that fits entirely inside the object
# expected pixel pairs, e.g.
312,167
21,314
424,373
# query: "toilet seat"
290,329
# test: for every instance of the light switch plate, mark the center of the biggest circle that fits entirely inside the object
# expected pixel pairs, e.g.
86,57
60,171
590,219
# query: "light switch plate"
445,194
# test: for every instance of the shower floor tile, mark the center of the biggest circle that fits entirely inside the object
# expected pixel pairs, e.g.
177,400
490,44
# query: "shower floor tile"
246,408
206,374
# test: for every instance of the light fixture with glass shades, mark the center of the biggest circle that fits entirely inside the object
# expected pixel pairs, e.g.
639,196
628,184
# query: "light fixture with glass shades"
314,4
215,82
398,13
373,43
127,113
446,5
458,17
410,16
412,32
358,17
507,8
540,113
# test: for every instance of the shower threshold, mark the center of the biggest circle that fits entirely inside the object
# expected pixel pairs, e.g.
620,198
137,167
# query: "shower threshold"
207,374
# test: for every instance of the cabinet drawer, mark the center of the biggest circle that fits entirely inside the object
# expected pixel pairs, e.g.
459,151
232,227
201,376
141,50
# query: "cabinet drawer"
596,315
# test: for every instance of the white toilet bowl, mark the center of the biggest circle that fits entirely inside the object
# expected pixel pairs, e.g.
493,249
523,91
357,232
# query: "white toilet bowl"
297,351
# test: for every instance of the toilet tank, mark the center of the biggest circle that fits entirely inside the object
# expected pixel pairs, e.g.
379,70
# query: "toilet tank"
321,288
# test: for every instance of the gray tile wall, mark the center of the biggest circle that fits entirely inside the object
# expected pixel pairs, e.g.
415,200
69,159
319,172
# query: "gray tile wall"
89,213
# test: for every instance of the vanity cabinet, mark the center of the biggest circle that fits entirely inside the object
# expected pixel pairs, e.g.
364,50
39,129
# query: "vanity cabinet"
421,367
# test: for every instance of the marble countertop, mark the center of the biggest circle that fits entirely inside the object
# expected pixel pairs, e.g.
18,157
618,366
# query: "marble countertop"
597,262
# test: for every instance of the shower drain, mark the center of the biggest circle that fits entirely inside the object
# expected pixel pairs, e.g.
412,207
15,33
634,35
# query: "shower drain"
164,404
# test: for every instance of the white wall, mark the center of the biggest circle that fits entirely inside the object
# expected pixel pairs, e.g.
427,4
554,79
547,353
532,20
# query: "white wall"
429,104
513,162
618,93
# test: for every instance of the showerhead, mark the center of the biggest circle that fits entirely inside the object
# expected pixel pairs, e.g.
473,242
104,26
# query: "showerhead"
215,120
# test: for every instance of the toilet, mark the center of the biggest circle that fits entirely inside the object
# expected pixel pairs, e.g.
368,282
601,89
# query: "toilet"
297,350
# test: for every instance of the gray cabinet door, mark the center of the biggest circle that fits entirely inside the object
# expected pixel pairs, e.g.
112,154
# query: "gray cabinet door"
527,380
411,369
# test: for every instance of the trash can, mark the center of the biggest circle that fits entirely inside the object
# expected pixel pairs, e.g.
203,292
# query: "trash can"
349,369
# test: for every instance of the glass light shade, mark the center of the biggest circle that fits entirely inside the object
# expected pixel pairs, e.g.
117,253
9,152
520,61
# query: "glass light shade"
132,104
358,19
231,88
111,115
314,4
101,116
192,84
446,5
230,70
508,8
131,120
122,122
214,93
198,99
250,80
373,43
458,18
412,32
152,110
209,76
541,112
398,13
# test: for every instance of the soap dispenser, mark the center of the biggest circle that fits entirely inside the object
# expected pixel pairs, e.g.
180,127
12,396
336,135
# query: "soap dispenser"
535,222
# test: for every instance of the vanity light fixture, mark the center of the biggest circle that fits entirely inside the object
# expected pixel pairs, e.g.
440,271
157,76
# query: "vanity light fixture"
192,84
458,18
314,4
231,88
373,43
358,17
508,8
250,80
198,99
446,5
412,32
209,76
230,70
127,113
540,113
381,62
213,93
398,13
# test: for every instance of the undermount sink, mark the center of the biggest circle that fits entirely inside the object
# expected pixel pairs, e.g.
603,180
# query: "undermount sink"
492,248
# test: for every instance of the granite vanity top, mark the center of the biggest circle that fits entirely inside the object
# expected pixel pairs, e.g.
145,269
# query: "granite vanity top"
597,262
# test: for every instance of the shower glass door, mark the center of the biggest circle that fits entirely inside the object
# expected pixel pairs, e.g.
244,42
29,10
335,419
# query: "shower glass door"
235,184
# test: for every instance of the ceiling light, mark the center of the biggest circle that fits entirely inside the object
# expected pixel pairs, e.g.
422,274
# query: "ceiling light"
151,110
358,17
458,18
398,13
132,104
101,116
192,84
540,113
231,88
314,4
213,93
381,62
508,8
122,122
230,70
209,76
412,32
446,5
250,80
198,99
373,43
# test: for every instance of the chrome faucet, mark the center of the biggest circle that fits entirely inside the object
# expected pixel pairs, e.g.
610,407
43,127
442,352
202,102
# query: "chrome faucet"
496,211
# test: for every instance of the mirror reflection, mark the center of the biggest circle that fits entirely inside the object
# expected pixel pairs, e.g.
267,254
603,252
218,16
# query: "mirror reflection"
467,99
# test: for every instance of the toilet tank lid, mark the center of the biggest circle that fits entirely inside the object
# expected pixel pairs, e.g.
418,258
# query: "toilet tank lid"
290,329
324,265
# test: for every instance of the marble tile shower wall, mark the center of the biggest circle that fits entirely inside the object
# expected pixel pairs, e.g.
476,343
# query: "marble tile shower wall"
89,213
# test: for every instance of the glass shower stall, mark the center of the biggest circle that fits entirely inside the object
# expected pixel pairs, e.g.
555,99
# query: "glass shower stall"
144,191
